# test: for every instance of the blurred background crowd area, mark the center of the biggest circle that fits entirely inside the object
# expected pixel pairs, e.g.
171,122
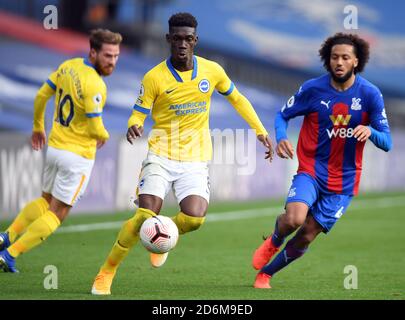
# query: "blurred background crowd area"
268,47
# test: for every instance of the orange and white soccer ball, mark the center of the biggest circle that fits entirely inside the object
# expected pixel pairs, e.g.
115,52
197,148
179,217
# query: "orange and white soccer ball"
159,234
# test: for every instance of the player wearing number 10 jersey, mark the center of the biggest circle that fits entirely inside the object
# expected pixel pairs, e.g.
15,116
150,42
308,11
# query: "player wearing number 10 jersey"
77,131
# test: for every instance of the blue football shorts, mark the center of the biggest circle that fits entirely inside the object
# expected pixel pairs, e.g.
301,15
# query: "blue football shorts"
326,208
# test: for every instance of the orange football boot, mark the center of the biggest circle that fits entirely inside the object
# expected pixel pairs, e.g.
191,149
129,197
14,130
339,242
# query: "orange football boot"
264,253
102,283
158,259
262,281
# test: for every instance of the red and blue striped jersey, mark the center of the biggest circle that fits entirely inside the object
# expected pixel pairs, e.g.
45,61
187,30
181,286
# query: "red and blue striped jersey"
327,149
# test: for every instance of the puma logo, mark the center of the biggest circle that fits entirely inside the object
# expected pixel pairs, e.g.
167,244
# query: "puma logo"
325,103
339,213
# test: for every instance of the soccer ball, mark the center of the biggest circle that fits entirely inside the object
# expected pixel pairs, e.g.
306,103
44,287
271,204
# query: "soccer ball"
159,234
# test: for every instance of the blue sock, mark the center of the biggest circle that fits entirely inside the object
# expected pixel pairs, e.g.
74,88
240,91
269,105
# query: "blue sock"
284,258
276,238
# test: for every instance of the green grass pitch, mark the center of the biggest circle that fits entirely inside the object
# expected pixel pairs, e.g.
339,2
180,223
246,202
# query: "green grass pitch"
215,262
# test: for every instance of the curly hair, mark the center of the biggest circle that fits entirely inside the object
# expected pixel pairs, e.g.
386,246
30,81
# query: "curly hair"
361,49
183,19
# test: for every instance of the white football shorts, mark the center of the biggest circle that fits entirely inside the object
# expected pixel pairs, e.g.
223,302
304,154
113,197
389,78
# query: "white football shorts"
66,175
159,174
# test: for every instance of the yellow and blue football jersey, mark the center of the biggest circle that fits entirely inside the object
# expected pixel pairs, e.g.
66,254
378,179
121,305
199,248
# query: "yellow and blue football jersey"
180,104
80,94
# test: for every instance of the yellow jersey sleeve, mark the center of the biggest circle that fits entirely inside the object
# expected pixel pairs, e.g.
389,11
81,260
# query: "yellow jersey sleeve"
42,97
94,102
224,85
53,79
246,111
146,98
46,91
242,105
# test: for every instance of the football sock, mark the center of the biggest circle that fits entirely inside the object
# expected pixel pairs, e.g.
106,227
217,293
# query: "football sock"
186,223
27,215
276,238
37,232
127,238
284,258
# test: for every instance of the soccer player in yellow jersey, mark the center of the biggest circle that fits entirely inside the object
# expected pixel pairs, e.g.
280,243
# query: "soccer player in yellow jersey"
77,131
177,92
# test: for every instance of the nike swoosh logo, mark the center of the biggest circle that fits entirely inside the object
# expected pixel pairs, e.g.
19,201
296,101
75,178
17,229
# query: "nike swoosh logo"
170,91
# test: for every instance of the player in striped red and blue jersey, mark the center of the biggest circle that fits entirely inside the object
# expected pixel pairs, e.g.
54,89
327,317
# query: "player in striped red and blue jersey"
341,112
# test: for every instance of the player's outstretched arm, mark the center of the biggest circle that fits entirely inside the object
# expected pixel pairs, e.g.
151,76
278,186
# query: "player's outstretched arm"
378,131
38,137
266,141
247,112
134,132
284,148
362,133
38,140
97,130
135,124
381,139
